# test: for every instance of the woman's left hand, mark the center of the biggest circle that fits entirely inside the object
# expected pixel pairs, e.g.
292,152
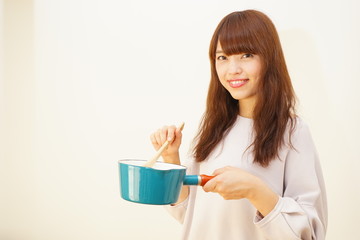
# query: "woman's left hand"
232,183
235,183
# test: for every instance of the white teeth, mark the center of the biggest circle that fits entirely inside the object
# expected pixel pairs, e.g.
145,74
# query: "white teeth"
237,82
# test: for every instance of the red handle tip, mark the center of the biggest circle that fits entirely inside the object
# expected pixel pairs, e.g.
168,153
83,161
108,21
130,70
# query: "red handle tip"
205,179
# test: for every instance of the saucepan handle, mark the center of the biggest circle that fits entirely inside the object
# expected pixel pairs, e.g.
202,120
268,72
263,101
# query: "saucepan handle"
197,179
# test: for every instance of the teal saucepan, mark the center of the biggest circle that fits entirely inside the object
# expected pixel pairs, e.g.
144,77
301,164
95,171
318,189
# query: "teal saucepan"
159,185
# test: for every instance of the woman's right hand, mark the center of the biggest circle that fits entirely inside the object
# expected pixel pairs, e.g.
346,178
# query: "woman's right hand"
174,136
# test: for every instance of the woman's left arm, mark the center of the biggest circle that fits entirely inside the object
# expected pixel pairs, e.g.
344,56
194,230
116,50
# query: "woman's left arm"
301,211
303,205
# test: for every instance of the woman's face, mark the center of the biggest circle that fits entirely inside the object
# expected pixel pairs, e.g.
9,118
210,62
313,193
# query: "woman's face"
239,73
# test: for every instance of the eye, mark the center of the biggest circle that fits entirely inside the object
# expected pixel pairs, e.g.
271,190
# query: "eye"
221,58
247,55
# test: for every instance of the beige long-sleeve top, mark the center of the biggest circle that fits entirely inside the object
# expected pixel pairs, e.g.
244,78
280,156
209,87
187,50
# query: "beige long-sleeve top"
296,176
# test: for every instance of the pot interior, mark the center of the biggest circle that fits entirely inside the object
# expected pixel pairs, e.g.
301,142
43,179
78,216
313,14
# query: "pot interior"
157,166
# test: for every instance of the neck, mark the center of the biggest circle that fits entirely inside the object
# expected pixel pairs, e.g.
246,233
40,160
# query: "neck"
246,107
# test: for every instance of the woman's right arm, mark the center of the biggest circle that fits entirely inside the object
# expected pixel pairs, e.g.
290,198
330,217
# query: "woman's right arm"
171,154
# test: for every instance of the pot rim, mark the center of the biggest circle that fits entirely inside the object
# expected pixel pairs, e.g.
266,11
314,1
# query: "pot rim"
178,167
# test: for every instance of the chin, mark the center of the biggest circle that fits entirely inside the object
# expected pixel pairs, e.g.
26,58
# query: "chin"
238,96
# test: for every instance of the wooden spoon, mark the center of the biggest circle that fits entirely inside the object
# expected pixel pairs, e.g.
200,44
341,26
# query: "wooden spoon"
150,163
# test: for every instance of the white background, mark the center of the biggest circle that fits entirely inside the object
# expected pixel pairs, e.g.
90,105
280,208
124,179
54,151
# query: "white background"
84,83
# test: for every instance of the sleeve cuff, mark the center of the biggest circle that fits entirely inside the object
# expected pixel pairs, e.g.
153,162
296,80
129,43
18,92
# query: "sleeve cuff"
178,210
260,220
280,224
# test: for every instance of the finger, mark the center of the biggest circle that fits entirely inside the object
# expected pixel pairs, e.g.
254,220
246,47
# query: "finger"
154,141
171,133
210,186
220,170
157,137
178,136
163,134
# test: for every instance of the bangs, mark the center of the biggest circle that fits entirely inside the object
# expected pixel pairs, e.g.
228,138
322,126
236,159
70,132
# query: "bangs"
238,35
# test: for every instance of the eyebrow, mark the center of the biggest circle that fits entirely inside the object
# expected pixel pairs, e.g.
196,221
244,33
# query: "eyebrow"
219,52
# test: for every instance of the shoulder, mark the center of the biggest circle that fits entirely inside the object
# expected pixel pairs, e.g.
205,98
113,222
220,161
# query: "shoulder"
300,134
299,126
296,130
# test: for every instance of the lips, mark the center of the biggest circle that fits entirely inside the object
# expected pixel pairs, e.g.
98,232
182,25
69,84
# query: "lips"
236,83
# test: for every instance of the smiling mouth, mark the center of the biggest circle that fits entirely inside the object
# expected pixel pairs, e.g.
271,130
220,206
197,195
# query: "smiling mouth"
236,83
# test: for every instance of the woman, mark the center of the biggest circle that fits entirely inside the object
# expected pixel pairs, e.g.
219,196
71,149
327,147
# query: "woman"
268,182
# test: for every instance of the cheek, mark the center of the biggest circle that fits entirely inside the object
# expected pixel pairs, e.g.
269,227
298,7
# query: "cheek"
254,71
219,71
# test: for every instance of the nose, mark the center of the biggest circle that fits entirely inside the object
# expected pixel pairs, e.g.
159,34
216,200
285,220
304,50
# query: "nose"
234,66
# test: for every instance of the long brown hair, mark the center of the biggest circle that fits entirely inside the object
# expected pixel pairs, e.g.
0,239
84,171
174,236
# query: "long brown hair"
252,32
